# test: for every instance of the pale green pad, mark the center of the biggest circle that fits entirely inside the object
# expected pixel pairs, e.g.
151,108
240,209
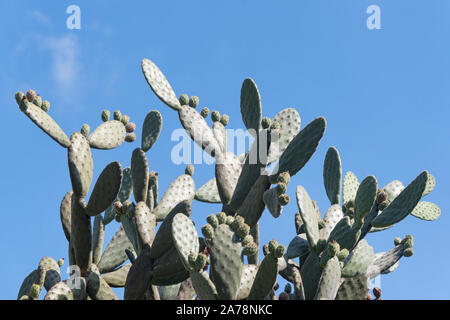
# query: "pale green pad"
59,291
208,192
265,278
247,279
359,260
355,288
151,129
204,287
139,174
81,164
290,123
145,223
227,169
220,134
426,211
251,106
117,278
329,280
51,270
98,289
185,238
108,135
350,187
270,198
169,292
97,239
393,189
385,260
309,216
114,254
333,215
65,211
298,247
332,175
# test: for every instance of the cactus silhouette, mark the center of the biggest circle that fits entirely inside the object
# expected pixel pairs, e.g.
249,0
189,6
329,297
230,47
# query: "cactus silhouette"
328,257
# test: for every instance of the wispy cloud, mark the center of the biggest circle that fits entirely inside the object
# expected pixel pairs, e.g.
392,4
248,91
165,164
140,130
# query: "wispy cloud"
41,18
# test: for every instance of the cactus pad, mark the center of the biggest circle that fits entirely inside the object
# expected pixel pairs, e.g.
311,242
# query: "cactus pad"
151,129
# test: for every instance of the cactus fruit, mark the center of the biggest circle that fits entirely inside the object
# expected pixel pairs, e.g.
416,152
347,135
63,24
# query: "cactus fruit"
335,261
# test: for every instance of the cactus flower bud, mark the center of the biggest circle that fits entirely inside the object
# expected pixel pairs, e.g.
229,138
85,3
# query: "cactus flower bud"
118,206
284,177
183,99
397,241
247,240
221,217
37,101
281,188
215,116
130,137
224,119
19,97
60,262
265,123
45,105
204,112
229,220
279,251
35,291
243,231
117,115
130,127
213,220
125,119
193,102
333,248
189,170
85,129
152,178
200,262
237,223
105,115
283,199
192,257
343,254
275,125
31,95
408,252
207,231
250,249
273,244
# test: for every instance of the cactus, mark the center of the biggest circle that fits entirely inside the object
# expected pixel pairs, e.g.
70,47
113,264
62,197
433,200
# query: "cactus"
173,261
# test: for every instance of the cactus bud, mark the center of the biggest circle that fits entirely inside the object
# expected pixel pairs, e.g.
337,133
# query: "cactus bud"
237,223
376,292
204,112
283,199
207,231
200,262
125,119
35,291
215,116
37,101
118,207
213,221
229,220
130,127
23,106
125,206
183,99
130,137
343,254
383,205
284,177
250,249
265,123
381,196
408,252
279,251
221,217
31,95
60,262
397,241
333,248
281,188
283,296
193,102
243,231
247,240
189,170
275,125
273,244
192,257
224,119
19,97
85,129
117,115
288,288
408,242
105,115
45,106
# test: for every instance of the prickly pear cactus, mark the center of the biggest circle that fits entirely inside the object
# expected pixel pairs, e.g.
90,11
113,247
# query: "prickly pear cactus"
328,257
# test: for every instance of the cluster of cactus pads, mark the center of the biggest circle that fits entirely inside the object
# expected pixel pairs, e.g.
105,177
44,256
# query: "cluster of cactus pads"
328,258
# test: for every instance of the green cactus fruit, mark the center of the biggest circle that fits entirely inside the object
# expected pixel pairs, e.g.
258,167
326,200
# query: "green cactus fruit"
281,188
333,248
408,252
194,101
237,223
31,95
284,177
265,123
408,242
213,220
208,231
85,129
250,249
23,106
243,231
38,101
273,244
19,97
183,99
130,127
35,291
229,220
215,116
283,199
125,119
130,137
45,106
204,112
224,119
275,125
192,257
200,262
117,115
279,251
105,115
247,240
397,241
60,262
343,254
221,217
189,170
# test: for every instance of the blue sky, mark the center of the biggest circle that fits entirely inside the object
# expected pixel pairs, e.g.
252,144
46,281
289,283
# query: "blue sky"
384,93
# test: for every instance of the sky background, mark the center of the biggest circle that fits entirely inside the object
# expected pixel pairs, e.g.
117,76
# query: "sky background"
385,95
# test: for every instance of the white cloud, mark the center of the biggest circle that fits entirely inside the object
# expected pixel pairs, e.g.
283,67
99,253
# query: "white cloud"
41,18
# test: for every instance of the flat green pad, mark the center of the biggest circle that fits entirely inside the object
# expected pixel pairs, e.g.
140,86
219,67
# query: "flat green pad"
106,189
355,288
365,197
145,223
46,124
431,183
265,278
208,192
290,123
227,170
383,261
226,263
139,277
185,238
98,289
159,84
108,135
117,278
359,260
345,233
169,269
302,147
426,211
81,164
139,174
253,206
403,204
309,216
199,130
59,291
350,187
332,175
311,272
329,280
298,247
97,239
333,215
114,254
125,191
393,189
220,134
270,198
26,284
65,211
169,292
204,287
81,235
247,279
181,189
51,270
151,129
251,106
